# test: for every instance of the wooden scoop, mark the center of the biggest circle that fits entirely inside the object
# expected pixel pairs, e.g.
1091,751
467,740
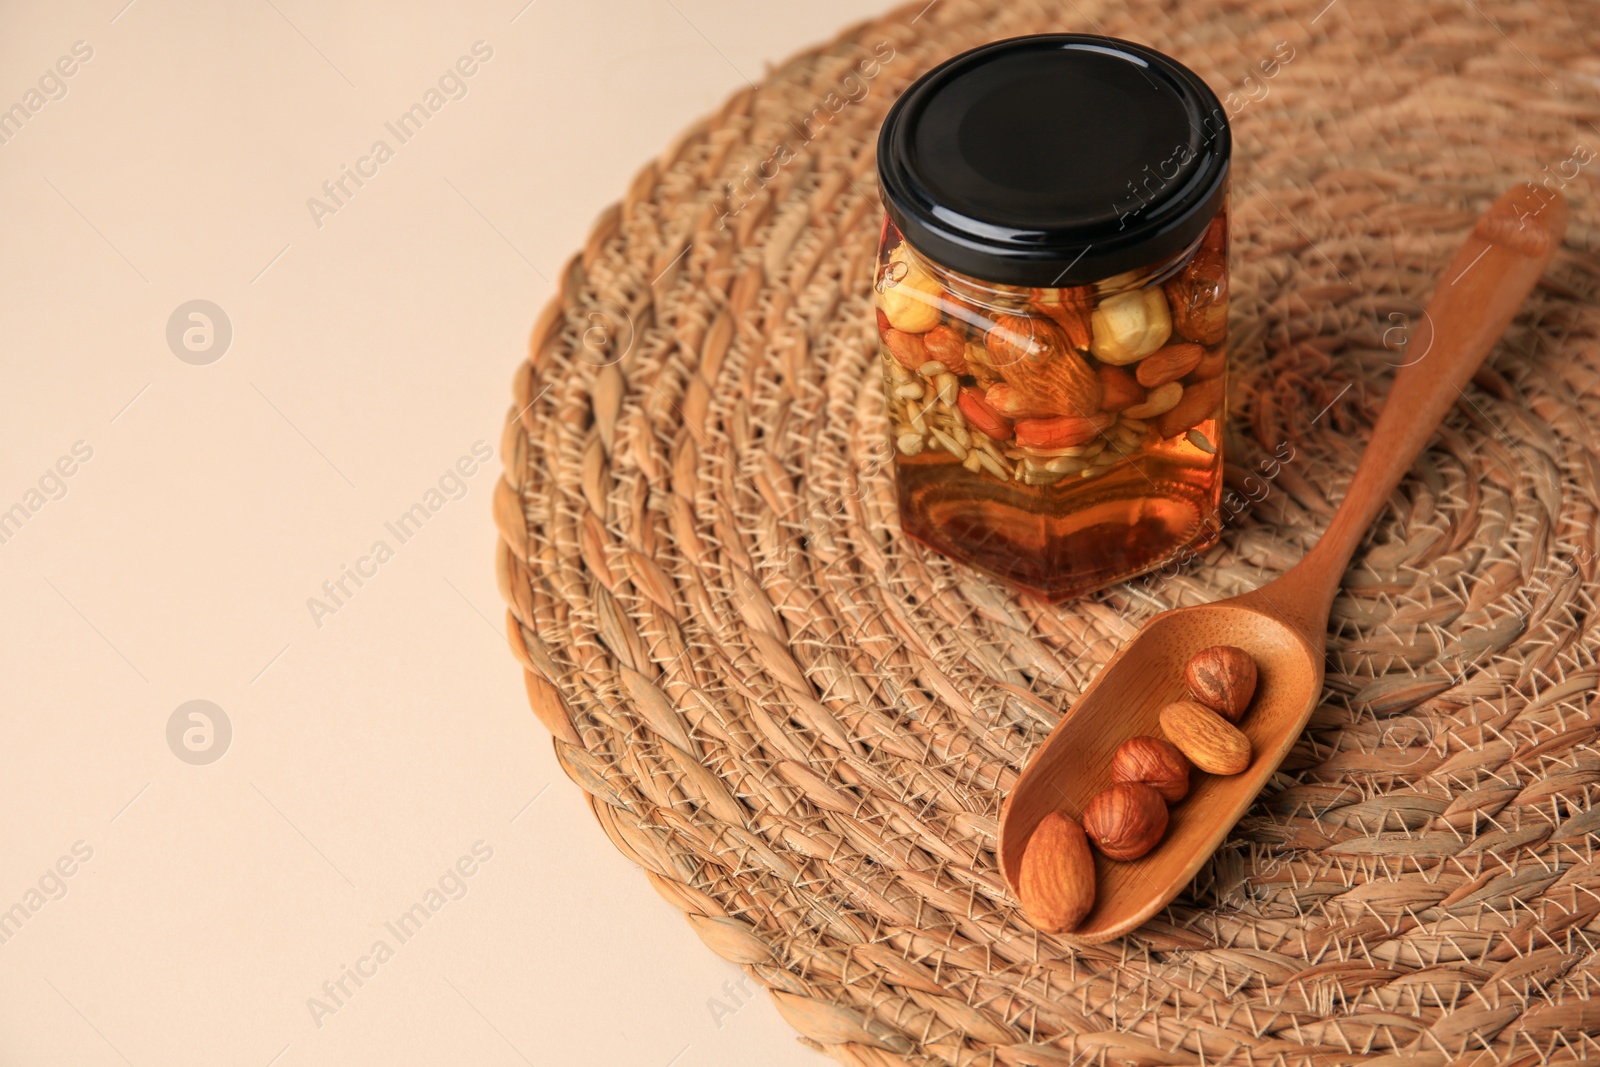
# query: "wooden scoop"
1284,623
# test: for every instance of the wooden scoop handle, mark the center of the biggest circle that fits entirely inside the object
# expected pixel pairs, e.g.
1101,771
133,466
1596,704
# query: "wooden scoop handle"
1472,305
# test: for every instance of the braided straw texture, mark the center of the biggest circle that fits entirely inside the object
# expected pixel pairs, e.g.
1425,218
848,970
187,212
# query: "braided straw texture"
801,726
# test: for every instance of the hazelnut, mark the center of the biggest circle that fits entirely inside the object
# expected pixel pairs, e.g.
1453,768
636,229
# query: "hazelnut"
1223,678
1129,326
1199,297
1156,763
1126,820
1056,883
908,295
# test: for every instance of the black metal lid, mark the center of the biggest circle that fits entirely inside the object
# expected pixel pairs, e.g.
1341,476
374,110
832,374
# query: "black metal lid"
1058,159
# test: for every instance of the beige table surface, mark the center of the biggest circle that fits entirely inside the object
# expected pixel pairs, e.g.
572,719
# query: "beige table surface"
158,910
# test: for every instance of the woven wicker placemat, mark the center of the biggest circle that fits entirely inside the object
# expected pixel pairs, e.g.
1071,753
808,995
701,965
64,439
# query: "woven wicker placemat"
802,726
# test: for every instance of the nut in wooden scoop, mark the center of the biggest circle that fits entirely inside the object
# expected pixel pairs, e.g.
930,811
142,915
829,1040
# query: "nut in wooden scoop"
1210,741
1056,885
1154,762
1284,623
1223,678
1126,819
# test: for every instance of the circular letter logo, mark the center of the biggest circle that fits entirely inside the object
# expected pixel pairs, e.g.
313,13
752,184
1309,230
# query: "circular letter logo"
199,732
199,332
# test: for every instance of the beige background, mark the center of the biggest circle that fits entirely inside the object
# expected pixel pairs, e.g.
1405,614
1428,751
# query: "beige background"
368,354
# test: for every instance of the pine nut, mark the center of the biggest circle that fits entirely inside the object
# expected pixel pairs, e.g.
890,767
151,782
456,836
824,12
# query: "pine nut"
992,465
948,443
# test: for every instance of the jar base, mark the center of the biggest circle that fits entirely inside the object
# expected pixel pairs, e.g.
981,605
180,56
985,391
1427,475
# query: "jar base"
1066,540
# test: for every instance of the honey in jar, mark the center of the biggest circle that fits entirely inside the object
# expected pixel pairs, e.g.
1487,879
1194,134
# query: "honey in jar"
1051,297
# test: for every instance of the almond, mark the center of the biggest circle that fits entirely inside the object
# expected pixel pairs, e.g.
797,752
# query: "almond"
1062,431
1035,358
1223,678
1156,763
1211,742
1013,404
1070,309
1169,364
907,348
1118,389
1211,366
1056,883
982,416
1126,820
948,347
1200,401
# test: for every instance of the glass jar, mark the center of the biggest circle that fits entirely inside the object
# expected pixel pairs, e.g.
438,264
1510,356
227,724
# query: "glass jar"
1051,297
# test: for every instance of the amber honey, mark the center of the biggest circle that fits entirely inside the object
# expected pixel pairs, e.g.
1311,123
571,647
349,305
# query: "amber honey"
1063,540
1053,323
